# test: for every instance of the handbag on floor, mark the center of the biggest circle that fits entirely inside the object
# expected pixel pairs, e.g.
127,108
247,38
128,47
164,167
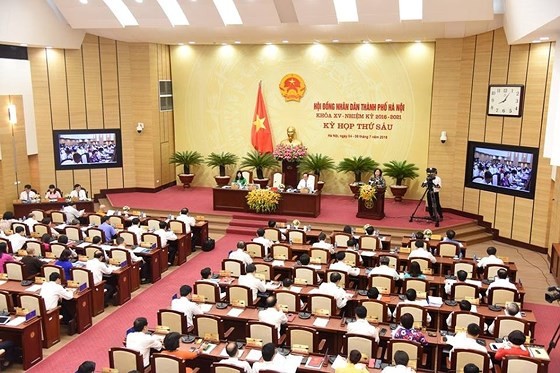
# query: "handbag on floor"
209,245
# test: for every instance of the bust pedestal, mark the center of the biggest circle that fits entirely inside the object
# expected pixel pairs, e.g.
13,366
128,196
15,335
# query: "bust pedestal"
289,169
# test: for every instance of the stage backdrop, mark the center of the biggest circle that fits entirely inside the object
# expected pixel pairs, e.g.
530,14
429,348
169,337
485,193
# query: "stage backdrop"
360,99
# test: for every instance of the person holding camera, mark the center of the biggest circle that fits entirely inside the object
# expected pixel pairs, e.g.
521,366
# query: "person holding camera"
433,183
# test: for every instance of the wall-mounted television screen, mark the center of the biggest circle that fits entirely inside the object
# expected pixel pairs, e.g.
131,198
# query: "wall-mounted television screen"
83,149
501,168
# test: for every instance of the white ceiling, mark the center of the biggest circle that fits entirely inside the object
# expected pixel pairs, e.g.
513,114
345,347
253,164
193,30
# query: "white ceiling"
274,21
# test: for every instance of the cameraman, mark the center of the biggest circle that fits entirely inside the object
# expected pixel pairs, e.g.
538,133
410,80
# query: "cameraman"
433,183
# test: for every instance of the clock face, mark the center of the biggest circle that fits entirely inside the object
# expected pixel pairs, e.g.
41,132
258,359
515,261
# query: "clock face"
505,100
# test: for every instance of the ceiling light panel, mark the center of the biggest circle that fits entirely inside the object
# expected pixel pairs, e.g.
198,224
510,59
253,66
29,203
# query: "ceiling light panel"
307,13
174,13
258,13
346,10
410,10
228,12
121,12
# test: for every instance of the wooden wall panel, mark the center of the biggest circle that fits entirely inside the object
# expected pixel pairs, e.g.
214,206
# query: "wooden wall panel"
498,75
487,206
504,212
64,181
471,200
76,89
92,79
517,74
110,85
483,58
114,178
57,88
82,177
98,179
522,216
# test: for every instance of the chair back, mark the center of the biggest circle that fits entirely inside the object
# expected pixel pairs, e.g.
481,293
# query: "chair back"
125,359
340,239
208,325
152,238
413,350
522,364
177,226
461,357
491,270
129,238
255,249
323,256
234,266
8,244
58,217
344,278
423,262
500,296
263,271
419,313
32,302
35,245
25,227
365,344
209,291
38,214
175,320
352,258
288,299
448,249
506,324
6,302
463,266
82,275
311,178
224,368
57,248
240,293
393,260
296,236
94,219
309,275
273,234
164,363
460,291
322,304
460,320
91,250
47,269
95,232
302,336
73,233
42,229
247,175
153,224
376,310
116,221
121,255
277,179
263,331
14,270
385,284
281,251
371,243
420,285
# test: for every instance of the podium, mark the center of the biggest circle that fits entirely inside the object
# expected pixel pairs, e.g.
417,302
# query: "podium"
372,209
290,171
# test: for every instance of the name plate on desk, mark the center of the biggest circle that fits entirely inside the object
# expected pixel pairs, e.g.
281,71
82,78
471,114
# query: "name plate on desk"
300,281
473,300
211,337
315,260
372,319
82,258
505,259
40,280
35,234
147,245
72,284
200,218
20,311
322,312
109,370
161,329
49,255
404,250
421,294
198,298
284,308
224,273
383,290
428,271
114,261
22,252
280,257
297,239
88,239
238,303
300,349
254,342
260,276
3,276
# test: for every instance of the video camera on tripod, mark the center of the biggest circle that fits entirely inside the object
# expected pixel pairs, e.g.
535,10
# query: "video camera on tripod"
430,177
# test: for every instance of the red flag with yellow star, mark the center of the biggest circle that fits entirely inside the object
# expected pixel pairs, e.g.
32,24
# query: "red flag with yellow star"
261,137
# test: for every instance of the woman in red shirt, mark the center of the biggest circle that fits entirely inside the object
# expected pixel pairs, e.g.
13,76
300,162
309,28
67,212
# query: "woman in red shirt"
515,346
171,347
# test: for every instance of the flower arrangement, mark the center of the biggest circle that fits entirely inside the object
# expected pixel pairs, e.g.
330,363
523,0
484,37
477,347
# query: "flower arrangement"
289,153
263,200
427,233
366,226
296,223
126,208
367,192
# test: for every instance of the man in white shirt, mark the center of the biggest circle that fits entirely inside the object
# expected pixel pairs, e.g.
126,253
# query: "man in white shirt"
263,240
410,298
333,288
352,246
205,274
306,183
52,292
72,214
241,254
144,268
78,193
141,341
270,361
184,305
273,315
421,252
401,361
512,310
249,280
361,326
233,359
322,244
490,259
28,194
384,269
502,281
98,268
467,341
17,239
304,260
461,277
339,265
137,229
187,219
166,236
30,221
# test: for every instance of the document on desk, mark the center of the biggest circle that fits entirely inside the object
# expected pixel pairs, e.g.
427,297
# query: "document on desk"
290,363
435,301
321,322
278,263
205,307
339,362
367,253
2,282
296,289
254,355
16,321
33,288
235,312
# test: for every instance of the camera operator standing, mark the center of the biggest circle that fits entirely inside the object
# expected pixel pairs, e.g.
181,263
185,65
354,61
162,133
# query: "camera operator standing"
433,183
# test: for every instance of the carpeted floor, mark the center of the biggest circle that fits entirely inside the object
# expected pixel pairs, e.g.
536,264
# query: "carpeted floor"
548,319
334,209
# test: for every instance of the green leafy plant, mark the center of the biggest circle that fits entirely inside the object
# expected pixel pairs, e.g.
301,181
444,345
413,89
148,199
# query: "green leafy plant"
357,165
400,171
187,159
263,200
221,160
316,163
259,162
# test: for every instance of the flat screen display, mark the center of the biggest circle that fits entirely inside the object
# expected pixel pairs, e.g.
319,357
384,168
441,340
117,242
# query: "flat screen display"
83,149
502,168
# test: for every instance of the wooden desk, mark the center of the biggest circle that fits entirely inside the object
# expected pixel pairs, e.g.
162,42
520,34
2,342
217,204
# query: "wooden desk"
153,259
121,279
26,336
555,261
296,204
184,243
200,233
23,209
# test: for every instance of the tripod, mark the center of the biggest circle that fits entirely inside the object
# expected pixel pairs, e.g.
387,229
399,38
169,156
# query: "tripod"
554,340
430,192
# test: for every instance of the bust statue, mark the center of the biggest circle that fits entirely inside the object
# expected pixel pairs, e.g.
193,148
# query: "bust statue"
291,140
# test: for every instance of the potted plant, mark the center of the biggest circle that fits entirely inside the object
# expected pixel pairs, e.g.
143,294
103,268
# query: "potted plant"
400,171
316,163
221,160
187,159
259,162
357,165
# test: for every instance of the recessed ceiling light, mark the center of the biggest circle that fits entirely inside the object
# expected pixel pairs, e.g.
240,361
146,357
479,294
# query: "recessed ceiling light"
224,43
237,42
139,1
192,42
417,41
84,1
335,40
268,43
365,41
23,45
48,47
536,41
181,44
285,41
544,38
388,40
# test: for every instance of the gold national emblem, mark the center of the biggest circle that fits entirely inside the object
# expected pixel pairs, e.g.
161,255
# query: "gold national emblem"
292,87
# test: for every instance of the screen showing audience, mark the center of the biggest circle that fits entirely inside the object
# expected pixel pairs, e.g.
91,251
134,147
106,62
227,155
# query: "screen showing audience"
87,149
502,168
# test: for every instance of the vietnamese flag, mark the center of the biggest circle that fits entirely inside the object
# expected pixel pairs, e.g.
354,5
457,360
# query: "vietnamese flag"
261,138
